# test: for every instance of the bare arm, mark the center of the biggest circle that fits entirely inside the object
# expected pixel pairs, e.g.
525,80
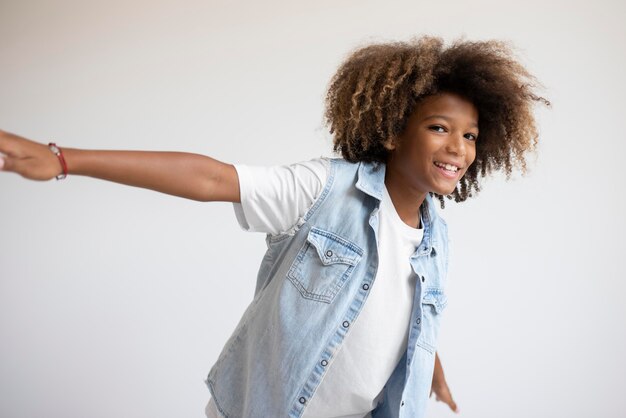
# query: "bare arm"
191,176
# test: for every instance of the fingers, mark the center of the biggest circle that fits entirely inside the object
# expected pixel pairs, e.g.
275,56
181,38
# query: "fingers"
8,163
442,394
11,164
453,405
12,145
8,144
2,141
5,141
8,160
448,402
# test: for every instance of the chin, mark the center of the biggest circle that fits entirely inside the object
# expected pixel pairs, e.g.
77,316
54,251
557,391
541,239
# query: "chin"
444,192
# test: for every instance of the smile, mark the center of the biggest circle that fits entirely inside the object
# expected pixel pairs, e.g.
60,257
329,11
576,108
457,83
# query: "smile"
448,167
448,170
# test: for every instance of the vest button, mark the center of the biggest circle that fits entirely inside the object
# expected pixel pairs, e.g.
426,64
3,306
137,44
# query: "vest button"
423,279
346,324
329,253
366,286
302,400
324,363
418,320
402,403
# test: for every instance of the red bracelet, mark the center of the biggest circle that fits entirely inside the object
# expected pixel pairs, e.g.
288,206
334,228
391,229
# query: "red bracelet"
57,151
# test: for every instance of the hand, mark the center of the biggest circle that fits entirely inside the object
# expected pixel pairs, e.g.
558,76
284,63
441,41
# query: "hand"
442,394
27,158
440,387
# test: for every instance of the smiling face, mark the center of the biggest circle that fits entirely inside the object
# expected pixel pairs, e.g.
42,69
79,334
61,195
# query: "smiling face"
437,146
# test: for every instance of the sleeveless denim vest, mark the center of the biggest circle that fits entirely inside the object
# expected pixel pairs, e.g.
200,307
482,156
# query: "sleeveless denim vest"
311,286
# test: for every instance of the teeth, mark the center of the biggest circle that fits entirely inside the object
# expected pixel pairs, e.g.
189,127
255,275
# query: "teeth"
448,167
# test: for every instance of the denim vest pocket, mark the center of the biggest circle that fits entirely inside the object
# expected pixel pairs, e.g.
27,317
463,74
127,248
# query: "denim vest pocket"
323,265
434,301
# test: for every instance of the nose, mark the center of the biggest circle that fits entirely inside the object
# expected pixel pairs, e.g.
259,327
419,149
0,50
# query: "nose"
456,145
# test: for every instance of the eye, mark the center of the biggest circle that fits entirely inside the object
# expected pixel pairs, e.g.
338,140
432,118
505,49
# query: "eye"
471,136
437,128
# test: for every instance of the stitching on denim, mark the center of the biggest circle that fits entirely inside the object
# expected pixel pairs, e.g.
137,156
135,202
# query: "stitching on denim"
435,296
333,288
425,346
325,192
340,240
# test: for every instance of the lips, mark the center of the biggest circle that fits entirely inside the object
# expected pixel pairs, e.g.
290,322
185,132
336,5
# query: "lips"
448,173
442,164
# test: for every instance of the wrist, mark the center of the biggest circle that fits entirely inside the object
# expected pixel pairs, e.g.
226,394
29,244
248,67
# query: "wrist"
58,152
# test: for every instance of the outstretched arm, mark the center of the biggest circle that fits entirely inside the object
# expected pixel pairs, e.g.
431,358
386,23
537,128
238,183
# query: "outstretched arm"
440,387
191,176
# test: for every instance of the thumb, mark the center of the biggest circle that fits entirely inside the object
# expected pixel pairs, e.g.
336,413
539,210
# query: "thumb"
445,396
14,165
450,402
453,406
7,163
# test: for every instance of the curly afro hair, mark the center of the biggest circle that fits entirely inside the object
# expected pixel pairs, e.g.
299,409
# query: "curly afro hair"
375,90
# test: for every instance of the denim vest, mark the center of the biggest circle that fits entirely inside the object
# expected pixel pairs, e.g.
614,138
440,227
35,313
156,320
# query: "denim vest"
311,286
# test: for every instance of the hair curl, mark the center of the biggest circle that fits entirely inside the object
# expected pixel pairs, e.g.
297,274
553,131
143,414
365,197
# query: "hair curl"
375,90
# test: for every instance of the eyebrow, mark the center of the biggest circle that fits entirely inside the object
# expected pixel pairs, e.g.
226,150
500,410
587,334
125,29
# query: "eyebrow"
474,125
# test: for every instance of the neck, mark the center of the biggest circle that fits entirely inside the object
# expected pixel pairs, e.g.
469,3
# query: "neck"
406,200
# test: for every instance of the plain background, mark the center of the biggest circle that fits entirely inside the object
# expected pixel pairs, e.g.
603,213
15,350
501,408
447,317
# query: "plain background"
115,301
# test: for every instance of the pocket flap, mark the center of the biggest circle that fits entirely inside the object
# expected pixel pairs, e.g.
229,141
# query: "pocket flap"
332,248
435,296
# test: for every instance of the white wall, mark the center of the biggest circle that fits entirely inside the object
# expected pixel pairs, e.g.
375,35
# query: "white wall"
115,302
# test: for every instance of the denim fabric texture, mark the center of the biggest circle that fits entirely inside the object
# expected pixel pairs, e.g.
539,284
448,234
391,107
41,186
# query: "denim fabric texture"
312,284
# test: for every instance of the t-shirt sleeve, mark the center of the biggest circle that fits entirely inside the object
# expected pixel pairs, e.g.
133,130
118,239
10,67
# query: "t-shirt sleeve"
273,199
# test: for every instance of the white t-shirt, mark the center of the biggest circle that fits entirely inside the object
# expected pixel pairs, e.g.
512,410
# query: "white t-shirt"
273,199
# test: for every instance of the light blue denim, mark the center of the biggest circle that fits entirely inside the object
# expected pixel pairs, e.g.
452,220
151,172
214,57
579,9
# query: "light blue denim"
311,286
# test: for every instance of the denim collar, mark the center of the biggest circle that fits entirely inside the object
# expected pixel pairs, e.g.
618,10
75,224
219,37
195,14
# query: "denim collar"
371,180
